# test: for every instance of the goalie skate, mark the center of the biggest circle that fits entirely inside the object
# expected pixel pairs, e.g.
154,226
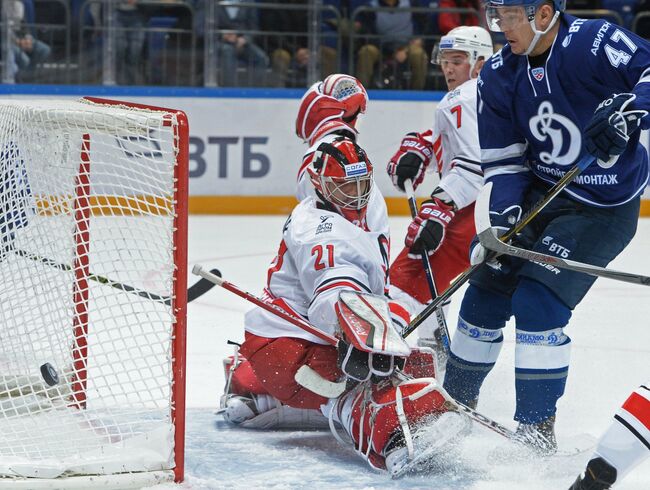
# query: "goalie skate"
262,411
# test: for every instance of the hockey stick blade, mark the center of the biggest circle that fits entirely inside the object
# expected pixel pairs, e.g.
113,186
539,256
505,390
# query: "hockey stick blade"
201,286
490,241
196,290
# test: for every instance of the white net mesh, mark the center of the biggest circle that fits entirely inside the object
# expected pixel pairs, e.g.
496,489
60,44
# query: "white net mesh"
88,213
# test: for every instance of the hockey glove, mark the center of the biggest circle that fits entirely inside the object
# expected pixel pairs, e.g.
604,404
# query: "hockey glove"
501,222
361,366
609,130
411,160
427,230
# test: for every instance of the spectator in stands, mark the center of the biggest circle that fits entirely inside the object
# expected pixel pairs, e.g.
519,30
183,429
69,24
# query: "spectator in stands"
28,52
285,39
393,51
130,42
449,20
237,47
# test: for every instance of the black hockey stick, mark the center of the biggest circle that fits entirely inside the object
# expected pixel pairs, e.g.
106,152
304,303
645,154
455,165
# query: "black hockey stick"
442,332
193,292
559,186
491,241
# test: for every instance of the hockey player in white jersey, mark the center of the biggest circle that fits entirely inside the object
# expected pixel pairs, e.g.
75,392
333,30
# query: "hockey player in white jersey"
624,445
326,249
445,223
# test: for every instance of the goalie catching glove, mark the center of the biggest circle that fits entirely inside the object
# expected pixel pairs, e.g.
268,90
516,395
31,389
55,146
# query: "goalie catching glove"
370,344
411,160
609,130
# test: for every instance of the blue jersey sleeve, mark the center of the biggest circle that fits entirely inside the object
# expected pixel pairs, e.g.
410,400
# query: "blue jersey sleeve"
503,146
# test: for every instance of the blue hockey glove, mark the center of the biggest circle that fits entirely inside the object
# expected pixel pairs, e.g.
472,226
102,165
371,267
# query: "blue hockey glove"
609,130
502,222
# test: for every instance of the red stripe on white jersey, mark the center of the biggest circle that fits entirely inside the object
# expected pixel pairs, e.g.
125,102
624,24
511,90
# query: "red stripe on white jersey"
639,407
437,150
337,284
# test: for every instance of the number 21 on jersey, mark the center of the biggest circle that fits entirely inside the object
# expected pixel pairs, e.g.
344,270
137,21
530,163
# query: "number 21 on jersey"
324,257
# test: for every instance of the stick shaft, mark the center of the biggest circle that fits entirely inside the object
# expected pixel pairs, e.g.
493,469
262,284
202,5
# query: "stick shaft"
440,315
299,322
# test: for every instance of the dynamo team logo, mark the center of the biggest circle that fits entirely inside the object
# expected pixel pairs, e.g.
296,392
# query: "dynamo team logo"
549,126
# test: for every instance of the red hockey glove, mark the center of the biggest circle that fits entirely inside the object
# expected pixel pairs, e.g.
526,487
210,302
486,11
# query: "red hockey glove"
411,160
428,228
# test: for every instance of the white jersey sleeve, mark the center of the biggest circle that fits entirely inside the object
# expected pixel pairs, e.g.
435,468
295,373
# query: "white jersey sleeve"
456,145
321,253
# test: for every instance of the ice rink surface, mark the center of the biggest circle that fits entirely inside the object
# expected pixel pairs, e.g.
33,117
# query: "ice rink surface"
610,330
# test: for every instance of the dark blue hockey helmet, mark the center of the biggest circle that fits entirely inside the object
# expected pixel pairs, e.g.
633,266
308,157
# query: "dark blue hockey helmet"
504,15
559,5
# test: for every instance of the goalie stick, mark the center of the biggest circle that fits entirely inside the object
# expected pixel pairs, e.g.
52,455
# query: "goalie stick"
442,332
559,186
193,292
491,241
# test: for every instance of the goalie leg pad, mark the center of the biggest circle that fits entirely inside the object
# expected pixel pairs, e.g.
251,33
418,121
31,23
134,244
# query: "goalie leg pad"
275,362
383,417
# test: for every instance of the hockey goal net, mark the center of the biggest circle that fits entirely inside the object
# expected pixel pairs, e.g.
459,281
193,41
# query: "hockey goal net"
93,226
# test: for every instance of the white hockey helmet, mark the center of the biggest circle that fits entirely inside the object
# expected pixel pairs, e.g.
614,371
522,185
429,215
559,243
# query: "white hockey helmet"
473,40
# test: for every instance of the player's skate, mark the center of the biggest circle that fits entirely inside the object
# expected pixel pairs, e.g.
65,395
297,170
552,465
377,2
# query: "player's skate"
599,475
261,411
539,438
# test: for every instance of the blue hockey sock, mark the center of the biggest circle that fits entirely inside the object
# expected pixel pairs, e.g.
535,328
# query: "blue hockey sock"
477,342
542,350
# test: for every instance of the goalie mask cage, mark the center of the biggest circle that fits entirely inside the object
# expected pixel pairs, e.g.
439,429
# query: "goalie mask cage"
93,280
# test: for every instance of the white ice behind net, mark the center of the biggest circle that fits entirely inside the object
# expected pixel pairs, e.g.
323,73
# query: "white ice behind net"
126,423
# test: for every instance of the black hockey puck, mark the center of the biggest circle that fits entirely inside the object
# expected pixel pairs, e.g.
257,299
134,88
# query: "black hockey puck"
49,374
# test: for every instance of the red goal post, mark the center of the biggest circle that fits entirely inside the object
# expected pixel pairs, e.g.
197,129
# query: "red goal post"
93,254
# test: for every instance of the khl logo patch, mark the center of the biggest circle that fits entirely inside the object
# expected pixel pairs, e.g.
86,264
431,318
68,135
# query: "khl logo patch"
538,73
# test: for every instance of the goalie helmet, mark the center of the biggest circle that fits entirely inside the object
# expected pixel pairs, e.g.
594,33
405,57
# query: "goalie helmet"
342,177
350,92
319,115
473,40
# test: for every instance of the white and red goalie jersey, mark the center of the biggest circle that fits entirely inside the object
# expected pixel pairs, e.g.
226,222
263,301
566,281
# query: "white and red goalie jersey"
321,253
455,145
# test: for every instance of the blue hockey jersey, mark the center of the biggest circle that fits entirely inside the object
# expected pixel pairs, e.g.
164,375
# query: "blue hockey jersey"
531,120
